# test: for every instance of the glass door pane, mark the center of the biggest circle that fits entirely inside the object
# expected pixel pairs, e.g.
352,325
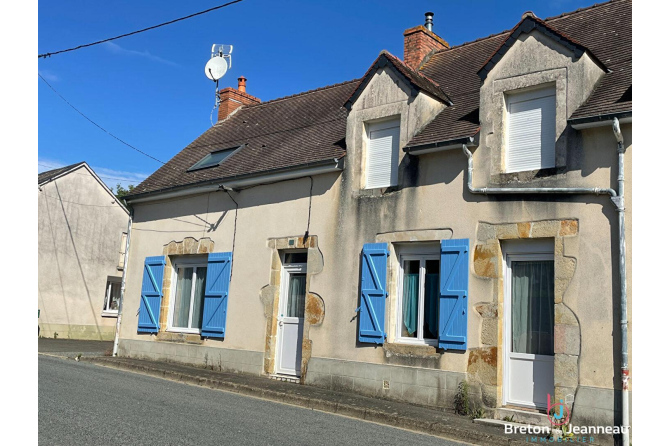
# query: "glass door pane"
533,307
295,306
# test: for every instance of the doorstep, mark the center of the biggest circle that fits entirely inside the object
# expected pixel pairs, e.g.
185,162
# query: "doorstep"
285,378
522,416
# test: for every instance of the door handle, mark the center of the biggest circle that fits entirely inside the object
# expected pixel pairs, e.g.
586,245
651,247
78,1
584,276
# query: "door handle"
281,323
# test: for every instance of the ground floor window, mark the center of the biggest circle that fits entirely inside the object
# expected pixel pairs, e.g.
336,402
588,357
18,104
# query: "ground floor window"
419,293
112,297
188,297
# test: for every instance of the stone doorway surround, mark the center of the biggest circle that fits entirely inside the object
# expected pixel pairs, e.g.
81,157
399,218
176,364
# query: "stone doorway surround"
488,264
270,294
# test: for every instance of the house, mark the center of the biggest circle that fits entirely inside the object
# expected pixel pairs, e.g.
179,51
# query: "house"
81,246
450,217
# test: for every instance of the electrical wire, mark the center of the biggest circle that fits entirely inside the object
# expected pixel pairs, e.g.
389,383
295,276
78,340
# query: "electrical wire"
98,126
309,214
234,234
45,55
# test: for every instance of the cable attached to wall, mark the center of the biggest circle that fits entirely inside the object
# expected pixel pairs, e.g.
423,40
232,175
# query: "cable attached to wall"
309,213
232,261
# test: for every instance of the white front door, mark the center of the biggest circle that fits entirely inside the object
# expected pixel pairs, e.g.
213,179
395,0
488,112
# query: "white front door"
291,319
529,325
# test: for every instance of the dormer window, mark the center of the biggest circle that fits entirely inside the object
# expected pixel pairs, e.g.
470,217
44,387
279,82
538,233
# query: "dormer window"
382,154
531,130
213,159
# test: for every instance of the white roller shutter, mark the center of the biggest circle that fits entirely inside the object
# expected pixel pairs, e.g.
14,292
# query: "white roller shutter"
531,130
382,157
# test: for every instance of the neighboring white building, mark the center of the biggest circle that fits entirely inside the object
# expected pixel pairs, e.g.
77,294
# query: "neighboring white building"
81,244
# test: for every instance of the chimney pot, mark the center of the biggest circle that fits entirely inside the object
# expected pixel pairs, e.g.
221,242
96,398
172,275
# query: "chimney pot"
242,84
429,21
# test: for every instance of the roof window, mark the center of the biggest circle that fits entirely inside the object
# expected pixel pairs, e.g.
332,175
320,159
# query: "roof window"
213,159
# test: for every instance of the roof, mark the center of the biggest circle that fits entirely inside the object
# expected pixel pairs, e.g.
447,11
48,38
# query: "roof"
305,128
413,77
49,175
605,29
310,127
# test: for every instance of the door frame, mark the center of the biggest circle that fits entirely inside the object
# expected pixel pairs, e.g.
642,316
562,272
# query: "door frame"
515,251
286,271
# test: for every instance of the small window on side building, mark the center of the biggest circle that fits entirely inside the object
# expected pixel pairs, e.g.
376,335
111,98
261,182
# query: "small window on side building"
112,297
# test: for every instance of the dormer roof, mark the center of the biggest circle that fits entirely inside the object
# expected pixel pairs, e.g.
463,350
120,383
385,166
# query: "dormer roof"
417,81
529,22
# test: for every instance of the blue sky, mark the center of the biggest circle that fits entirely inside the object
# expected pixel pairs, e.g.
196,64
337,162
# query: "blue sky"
151,91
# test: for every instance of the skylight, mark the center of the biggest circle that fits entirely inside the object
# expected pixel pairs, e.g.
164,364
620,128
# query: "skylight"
213,159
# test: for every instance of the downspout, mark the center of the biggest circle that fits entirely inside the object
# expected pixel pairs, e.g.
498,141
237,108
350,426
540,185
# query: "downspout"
115,350
618,200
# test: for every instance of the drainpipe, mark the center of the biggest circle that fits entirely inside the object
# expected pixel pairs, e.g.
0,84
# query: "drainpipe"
619,202
115,350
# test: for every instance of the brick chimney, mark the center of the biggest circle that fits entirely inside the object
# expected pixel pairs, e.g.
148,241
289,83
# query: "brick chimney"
231,99
421,40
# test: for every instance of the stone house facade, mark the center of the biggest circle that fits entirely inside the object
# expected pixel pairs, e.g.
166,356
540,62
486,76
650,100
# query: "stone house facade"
363,236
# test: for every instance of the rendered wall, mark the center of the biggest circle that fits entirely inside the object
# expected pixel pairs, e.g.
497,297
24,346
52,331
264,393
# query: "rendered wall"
79,237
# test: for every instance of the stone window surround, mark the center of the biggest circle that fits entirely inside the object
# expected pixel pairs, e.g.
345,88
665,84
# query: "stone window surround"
488,263
270,297
187,246
395,110
402,351
496,141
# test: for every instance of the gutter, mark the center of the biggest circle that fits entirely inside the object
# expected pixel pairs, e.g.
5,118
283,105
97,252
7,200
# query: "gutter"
270,176
601,120
441,146
115,349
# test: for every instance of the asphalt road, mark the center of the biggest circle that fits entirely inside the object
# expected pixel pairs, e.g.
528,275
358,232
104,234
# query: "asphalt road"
85,404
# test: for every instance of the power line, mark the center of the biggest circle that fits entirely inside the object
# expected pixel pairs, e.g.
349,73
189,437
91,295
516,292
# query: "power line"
98,126
45,55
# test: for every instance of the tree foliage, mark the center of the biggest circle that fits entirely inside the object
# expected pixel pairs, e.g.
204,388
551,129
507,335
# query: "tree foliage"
122,191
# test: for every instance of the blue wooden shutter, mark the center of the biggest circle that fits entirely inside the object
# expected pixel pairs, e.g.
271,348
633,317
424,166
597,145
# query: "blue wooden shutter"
372,312
454,276
152,293
216,295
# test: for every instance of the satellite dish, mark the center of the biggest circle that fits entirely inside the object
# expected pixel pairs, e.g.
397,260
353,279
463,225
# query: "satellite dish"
216,68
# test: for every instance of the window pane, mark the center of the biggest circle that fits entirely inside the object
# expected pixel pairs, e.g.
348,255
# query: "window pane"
199,297
115,296
533,307
295,257
295,306
410,298
431,299
182,301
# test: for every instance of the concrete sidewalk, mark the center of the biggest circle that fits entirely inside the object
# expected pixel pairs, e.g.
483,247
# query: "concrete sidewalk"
73,347
428,420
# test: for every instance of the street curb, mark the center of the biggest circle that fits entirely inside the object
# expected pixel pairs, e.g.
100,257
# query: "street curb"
438,429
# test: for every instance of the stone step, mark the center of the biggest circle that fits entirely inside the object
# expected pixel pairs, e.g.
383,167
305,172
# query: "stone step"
534,418
284,378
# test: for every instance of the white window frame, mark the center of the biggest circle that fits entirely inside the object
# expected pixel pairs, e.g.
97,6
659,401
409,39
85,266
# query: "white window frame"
374,126
184,263
422,254
524,95
106,312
